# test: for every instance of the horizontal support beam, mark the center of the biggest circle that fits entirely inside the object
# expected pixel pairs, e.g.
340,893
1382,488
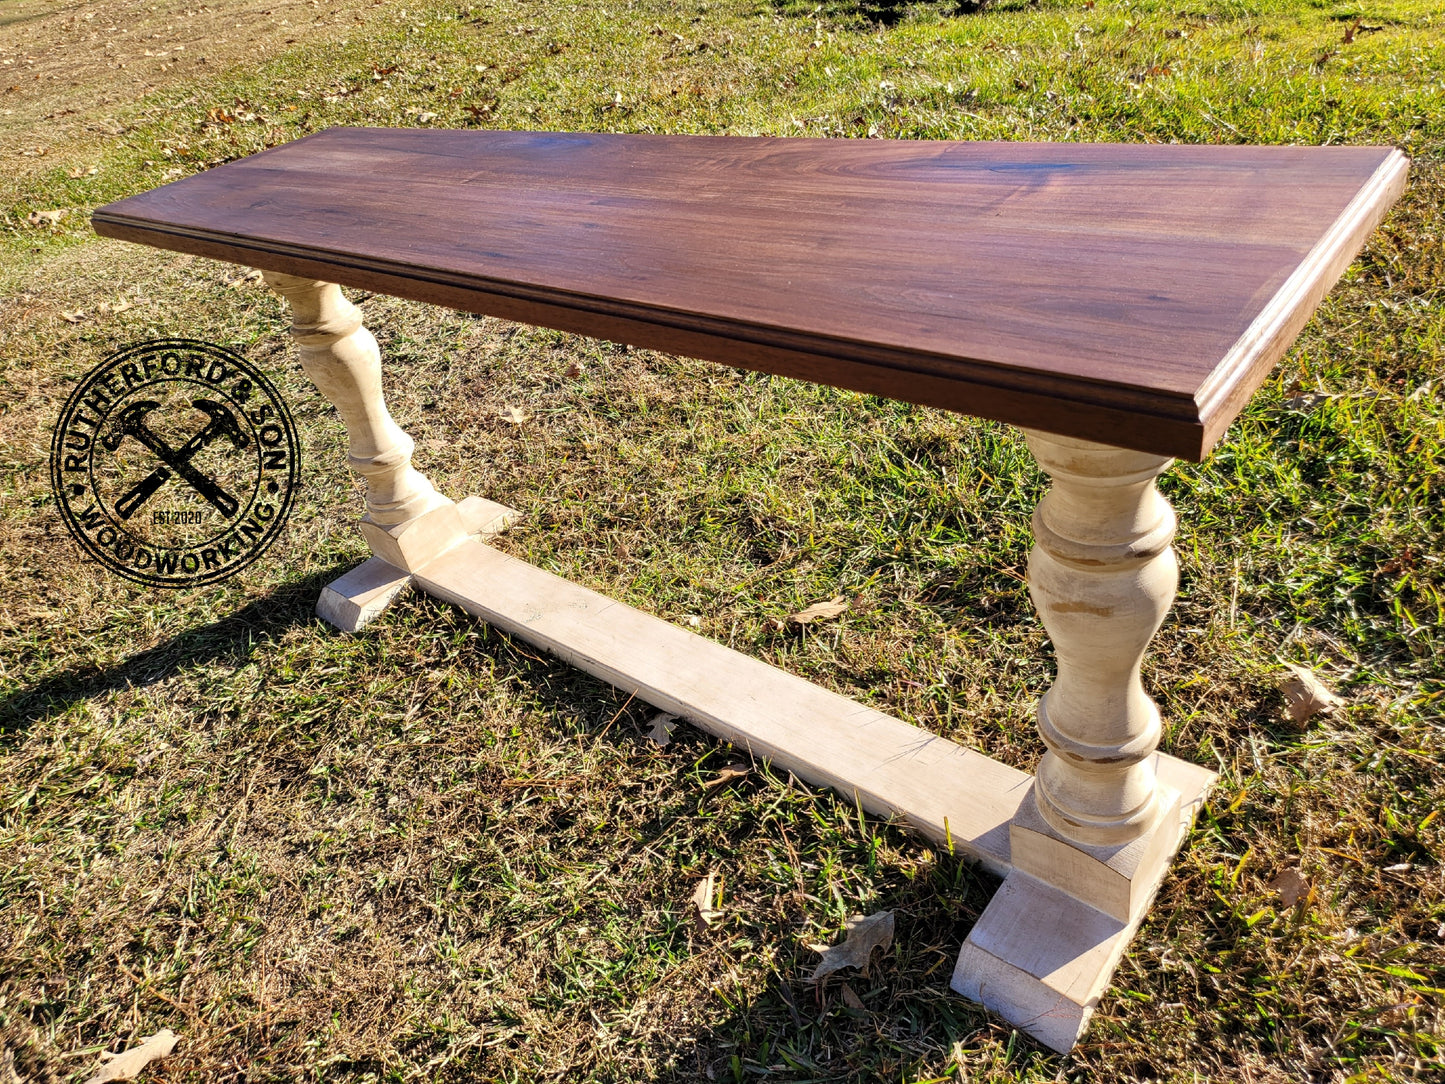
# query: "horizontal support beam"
893,769
951,795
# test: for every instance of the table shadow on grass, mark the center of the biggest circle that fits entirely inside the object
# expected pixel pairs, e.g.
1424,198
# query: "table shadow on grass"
893,12
230,641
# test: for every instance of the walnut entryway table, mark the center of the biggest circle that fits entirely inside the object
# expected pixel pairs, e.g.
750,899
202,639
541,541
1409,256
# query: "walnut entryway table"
1120,303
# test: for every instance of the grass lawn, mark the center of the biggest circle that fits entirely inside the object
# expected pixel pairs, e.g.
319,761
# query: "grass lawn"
428,853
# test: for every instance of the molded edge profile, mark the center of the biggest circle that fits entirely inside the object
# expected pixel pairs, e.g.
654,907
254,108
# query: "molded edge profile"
1155,421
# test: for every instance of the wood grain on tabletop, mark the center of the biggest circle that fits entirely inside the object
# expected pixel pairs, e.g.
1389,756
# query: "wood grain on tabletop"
1132,294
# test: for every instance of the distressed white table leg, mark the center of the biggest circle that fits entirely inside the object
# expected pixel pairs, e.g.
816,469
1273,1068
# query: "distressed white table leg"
407,522
1090,845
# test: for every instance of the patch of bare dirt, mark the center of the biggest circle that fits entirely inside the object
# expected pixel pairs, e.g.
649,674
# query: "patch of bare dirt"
66,68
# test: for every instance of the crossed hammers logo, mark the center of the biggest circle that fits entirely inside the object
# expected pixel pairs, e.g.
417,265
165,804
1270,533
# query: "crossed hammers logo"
132,423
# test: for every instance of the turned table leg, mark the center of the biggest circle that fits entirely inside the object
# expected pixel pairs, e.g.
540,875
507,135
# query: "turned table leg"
1102,575
407,523
1094,836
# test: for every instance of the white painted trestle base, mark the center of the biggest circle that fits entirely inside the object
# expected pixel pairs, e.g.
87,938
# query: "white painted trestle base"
1082,846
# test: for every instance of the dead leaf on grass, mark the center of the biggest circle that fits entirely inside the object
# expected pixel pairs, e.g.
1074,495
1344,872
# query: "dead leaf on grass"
1359,26
1305,695
731,771
515,415
73,317
660,733
113,307
46,218
81,171
240,280
820,611
1305,401
1291,884
864,935
1143,75
702,901
852,1000
126,1066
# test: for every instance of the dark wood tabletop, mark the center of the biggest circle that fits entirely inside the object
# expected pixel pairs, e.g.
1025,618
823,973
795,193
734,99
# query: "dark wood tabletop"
1131,294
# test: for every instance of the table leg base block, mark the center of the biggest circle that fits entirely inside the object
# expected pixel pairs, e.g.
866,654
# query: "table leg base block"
1040,957
354,600
1118,879
420,539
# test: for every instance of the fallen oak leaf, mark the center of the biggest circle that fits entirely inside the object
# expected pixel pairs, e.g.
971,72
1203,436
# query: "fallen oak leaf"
660,733
515,415
702,901
46,218
1291,884
73,317
128,1065
864,935
852,1000
820,611
1305,695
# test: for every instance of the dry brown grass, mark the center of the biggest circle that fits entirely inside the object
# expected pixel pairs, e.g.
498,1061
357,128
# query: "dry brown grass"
68,70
